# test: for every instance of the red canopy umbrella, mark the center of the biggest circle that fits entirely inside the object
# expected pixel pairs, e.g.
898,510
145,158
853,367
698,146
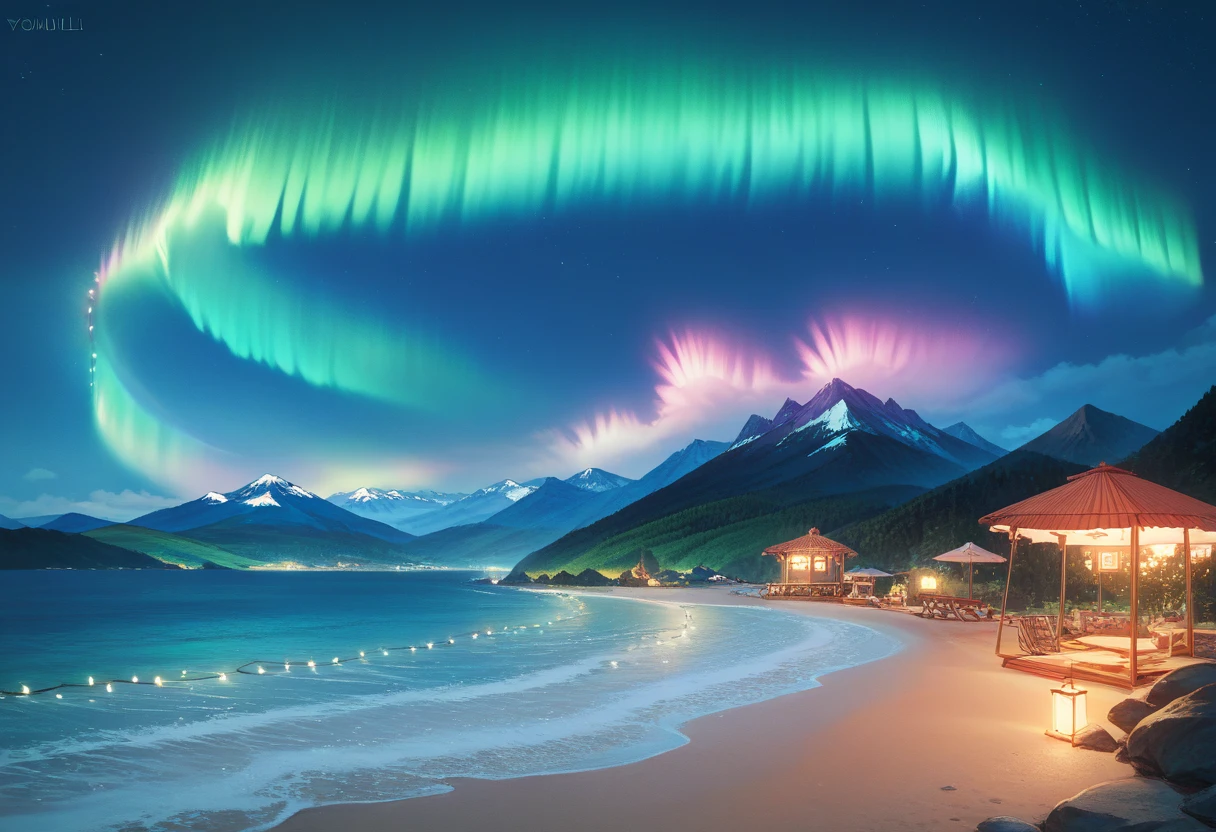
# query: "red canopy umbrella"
1104,505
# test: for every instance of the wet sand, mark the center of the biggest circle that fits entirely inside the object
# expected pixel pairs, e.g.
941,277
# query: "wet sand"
873,748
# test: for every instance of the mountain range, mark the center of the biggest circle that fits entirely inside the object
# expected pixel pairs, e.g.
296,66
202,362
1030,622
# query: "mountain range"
874,472
551,509
424,512
835,462
843,441
273,520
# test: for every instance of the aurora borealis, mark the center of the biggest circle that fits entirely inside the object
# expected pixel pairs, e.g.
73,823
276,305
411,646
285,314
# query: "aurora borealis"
414,171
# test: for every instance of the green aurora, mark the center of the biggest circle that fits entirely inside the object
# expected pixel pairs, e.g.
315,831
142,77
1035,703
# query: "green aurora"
679,134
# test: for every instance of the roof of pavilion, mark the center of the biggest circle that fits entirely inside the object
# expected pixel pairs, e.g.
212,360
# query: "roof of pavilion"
1106,498
811,543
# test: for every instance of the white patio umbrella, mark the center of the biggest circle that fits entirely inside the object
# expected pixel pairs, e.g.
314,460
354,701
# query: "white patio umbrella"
868,572
970,554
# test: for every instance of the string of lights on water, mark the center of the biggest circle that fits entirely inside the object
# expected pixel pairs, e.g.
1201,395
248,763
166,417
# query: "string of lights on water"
281,667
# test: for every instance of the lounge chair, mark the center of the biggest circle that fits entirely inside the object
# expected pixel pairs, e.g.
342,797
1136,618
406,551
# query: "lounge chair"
1037,634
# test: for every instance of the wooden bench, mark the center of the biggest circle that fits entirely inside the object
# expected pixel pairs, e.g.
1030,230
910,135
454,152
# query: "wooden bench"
949,606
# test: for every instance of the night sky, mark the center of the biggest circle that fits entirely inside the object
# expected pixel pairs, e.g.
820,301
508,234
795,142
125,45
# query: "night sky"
433,248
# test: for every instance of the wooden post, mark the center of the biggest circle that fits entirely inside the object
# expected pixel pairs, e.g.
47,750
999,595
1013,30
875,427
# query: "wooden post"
1098,569
1190,595
1134,657
1013,547
785,569
970,575
1063,538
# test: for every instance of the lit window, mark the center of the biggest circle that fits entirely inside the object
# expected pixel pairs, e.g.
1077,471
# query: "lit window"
821,563
798,562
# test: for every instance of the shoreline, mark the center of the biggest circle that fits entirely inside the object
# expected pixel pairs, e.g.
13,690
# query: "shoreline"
938,712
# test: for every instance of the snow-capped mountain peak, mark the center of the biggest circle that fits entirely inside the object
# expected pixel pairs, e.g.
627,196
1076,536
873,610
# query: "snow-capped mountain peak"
597,480
510,489
262,500
362,495
214,497
269,484
839,408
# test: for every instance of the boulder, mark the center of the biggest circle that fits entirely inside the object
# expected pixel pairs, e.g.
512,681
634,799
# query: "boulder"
1202,805
1121,752
1137,804
1177,741
1180,682
1127,714
590,577
1095,738
1004,823
1182,825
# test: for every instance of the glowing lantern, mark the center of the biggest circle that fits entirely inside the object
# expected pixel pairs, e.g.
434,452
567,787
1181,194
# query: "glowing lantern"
928,583
1068,715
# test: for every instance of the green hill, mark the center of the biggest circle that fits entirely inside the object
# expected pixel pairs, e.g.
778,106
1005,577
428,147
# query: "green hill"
300,544
727,535
1183,457
948,516
47,549
170,548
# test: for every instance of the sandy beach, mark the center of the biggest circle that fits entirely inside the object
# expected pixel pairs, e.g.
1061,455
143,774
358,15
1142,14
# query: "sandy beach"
937,737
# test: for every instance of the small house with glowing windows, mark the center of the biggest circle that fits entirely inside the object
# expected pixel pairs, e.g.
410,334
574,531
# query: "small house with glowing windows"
812,568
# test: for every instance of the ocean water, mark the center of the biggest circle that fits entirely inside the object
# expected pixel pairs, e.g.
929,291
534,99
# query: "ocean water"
553,682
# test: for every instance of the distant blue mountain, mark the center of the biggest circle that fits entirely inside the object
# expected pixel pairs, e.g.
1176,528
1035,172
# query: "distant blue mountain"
37,521
9,523
963,431
551,506
476,507
75,523
394,507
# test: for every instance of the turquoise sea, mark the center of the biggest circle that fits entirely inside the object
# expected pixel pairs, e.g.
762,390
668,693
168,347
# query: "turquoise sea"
553,682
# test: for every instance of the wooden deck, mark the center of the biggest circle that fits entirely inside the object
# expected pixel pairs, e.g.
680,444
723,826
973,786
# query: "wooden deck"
1072,665
832,592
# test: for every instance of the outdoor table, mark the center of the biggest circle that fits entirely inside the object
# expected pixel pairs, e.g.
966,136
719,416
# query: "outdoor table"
948,606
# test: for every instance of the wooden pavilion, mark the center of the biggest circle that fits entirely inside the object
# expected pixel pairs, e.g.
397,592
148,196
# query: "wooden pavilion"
1135,524
812,568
